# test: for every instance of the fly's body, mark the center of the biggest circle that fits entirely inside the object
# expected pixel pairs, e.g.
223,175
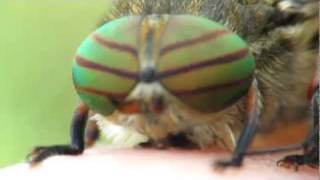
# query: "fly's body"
282,55
163,68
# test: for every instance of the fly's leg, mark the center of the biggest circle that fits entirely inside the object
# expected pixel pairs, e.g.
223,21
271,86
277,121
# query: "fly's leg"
92,133
77,139
247,133
300,11
310,154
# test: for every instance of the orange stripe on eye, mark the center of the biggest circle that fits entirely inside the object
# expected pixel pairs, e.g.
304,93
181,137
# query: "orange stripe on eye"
131,107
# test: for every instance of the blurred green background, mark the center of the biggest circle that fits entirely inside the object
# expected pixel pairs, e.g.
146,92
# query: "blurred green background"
38,39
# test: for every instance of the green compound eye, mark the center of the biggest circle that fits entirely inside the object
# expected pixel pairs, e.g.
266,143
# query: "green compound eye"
106,65
203,64
198,60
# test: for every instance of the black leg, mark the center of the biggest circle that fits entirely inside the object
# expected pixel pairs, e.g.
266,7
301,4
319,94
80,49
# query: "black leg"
310,154
77,139
248,132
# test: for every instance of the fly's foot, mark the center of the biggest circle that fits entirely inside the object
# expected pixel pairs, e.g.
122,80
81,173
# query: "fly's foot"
224,164
38,154
310,158
41,153
292,161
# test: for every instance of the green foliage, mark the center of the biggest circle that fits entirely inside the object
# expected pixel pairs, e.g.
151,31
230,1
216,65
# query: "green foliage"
38,40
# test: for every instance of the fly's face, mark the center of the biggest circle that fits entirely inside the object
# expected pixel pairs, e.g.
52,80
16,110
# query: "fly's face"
153,72
171,76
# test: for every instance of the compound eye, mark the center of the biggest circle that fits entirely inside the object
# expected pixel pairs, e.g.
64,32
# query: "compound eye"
204,64
106,65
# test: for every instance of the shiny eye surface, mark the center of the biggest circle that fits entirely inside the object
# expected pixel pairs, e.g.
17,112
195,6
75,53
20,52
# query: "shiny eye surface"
204,64
106,65
197,60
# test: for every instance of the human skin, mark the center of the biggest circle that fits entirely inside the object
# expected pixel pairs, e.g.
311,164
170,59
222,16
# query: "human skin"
154,164
150,163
